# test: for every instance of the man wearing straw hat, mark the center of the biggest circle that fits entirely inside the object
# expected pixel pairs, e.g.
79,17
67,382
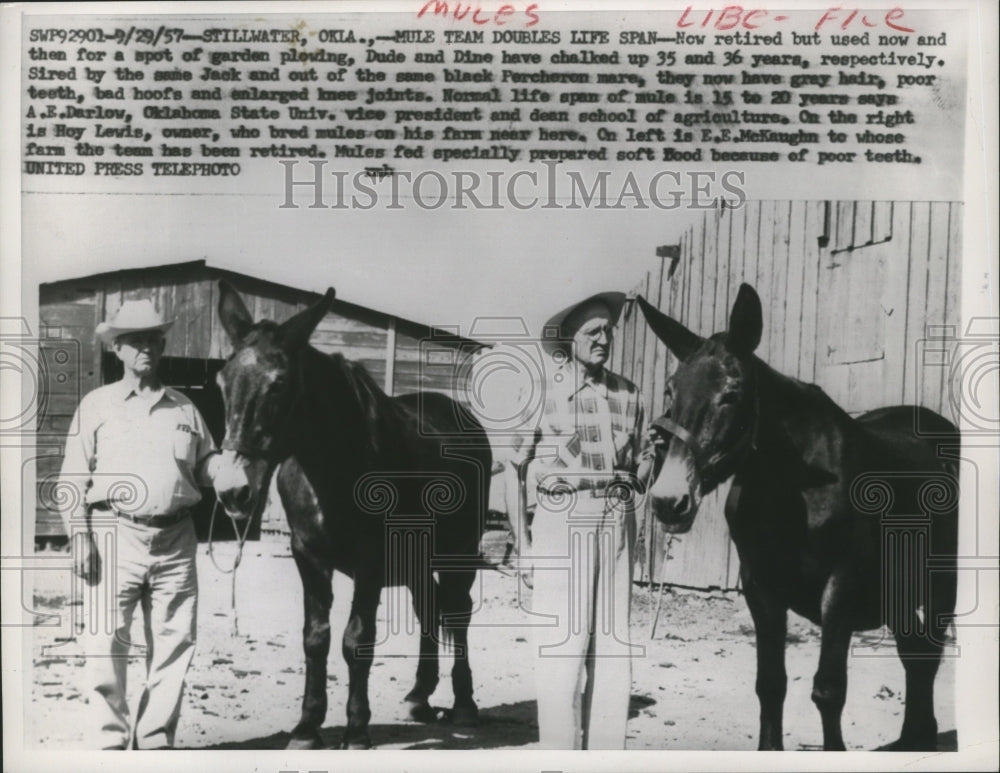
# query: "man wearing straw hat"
135,465
585,464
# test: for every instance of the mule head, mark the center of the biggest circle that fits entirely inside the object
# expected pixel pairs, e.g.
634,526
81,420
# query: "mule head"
711,409
260,384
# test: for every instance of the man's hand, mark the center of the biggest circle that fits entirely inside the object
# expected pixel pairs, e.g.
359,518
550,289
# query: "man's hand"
87,560
655,442
210,465
556,475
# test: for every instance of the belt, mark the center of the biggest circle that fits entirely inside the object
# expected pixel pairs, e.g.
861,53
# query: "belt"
593,489
583,491
161,521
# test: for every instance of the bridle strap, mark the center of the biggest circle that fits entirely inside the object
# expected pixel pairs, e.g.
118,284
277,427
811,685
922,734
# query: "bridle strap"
670,427
252,452
243,449
708,469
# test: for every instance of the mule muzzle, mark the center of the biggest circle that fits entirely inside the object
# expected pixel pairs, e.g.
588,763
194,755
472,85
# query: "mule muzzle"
233,486
237,501
675,513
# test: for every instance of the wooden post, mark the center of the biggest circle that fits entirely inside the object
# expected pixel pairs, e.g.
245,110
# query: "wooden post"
390,356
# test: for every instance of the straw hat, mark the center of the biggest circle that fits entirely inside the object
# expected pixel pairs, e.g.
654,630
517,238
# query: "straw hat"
132,317
555,332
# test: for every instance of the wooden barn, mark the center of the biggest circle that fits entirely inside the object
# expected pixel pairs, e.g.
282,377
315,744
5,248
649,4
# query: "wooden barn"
401,354
859,297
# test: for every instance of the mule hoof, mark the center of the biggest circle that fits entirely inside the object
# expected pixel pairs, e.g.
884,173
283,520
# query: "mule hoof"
420,711
466,715
361,742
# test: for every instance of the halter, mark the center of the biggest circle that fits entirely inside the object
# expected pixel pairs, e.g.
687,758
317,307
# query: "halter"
252,452
710,470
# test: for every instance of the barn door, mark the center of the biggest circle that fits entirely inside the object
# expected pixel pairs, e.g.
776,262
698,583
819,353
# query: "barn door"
858,303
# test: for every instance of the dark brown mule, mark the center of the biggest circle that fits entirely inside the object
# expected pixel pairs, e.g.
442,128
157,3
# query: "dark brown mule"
850,523
387,490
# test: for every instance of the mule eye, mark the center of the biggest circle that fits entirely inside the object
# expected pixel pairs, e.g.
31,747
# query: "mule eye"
728,398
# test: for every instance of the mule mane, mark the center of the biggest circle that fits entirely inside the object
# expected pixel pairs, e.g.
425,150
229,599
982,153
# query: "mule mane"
794,392
350,381
789,387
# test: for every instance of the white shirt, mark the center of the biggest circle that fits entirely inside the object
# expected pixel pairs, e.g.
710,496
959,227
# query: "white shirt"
142,455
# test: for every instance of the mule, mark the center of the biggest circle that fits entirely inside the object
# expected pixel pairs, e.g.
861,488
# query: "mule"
849,522
356,472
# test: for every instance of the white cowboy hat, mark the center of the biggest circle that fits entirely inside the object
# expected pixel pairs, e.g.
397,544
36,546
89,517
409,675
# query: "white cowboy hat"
131,317
555,332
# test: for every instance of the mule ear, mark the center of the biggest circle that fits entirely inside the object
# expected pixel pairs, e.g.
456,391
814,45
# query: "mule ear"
679,340
745,321
233,314
296,331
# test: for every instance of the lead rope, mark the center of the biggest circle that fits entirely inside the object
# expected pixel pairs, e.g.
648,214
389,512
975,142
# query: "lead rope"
659,596
240,540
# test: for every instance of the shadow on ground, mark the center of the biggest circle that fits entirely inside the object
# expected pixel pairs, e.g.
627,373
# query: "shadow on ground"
504,726
508,725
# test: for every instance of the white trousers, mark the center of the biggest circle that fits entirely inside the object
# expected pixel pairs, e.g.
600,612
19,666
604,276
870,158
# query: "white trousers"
583,558
154,568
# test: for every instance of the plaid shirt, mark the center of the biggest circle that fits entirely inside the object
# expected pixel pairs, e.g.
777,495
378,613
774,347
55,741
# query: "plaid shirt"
589,430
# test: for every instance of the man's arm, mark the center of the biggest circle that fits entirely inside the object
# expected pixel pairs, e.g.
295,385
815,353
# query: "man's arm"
74,481
645,452
74,476
516,496
207,456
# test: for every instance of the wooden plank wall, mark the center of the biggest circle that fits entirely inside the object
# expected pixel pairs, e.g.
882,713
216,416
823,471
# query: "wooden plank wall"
70,363
851,290
190,295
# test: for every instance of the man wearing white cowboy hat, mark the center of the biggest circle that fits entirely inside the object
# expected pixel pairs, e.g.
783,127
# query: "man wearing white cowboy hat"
135,465
583,460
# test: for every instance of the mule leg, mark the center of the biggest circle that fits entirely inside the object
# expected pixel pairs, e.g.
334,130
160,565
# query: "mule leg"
920,644
358,650
770,619
456,608
425,592
317,591
830,682
920,652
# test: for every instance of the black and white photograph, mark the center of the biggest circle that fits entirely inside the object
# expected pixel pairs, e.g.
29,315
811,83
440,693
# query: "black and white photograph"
500,385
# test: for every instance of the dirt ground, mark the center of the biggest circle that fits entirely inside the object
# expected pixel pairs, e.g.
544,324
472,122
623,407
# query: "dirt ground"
692,686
